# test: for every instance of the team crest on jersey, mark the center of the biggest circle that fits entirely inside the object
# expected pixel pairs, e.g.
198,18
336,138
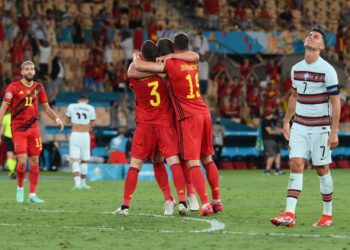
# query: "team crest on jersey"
8,95
306,76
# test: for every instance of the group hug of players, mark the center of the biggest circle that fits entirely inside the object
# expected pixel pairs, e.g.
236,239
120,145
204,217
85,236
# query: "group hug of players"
172,121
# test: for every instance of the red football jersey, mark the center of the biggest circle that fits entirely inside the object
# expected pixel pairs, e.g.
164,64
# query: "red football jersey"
23,102
153,105
184,88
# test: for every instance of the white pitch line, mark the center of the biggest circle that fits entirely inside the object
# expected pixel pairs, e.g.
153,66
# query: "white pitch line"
84,228
335,236
215,226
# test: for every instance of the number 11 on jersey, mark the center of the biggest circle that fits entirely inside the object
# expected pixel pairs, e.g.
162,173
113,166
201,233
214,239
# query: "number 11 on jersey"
190,83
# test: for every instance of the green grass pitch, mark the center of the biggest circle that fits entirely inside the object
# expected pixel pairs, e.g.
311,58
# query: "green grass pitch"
83,220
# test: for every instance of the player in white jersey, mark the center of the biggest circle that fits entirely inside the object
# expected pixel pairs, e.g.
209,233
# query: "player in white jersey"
315,104
82,116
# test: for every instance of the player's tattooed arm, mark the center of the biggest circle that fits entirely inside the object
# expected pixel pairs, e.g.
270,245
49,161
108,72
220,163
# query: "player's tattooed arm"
52,114
134,73
188,56
142,65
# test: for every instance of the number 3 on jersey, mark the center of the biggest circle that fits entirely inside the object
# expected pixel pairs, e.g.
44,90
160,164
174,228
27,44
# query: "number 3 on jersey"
154,86
190,82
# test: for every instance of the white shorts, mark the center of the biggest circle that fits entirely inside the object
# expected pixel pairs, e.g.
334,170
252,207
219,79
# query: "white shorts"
312,146
79,146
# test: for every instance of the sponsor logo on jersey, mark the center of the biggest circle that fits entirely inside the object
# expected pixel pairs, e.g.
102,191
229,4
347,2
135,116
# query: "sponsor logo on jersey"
21,92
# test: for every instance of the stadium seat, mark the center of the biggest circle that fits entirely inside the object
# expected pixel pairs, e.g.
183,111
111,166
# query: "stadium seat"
239,163
333,165
117,157
251,161
342,161
226,163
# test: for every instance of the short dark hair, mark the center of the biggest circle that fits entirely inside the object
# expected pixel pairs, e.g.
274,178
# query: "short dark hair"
165,46
319,30
181,41
149,50
83,96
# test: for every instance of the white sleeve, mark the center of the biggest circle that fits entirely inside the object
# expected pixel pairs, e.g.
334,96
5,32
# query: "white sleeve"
69,111
292,78
331,77
332,82
93,114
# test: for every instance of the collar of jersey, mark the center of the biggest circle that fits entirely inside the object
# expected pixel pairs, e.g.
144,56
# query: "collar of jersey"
28,86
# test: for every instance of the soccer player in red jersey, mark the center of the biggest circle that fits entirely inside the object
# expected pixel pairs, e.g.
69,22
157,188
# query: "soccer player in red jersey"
165,47
23,97
194,120
155,131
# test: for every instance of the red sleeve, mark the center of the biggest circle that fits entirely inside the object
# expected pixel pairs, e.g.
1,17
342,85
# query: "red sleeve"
42,95
9,94
166,66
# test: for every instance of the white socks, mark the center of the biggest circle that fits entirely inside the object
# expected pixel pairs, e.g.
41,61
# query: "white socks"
76,174
326,188
295,186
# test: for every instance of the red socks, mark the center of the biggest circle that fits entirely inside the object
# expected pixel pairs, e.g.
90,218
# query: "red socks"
21,175
179,181
213,179
161,176
130,184
199,184
33,178
186,173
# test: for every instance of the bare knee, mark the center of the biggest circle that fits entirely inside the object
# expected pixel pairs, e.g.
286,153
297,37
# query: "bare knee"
297,165
22,159
205,159
322,170
34,161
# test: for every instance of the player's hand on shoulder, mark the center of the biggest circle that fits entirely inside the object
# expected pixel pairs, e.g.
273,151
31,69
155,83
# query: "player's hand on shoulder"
137,56
163,59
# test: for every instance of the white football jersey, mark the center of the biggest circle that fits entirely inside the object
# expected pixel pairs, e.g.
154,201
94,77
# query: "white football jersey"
314,83
81,113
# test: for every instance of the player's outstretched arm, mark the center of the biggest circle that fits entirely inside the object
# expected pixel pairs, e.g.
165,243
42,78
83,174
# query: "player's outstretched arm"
333,137
289,114
188,56
134,73
52,114
142,65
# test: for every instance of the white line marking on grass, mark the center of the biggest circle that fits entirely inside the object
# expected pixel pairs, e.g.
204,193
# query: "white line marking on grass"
215,226
287,235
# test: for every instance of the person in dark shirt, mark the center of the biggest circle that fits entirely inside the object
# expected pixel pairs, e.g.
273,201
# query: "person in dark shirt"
272,147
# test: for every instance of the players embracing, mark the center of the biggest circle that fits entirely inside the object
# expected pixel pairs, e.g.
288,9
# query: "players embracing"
193,120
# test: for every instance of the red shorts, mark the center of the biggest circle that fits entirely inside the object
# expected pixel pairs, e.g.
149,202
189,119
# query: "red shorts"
195,135
147,140
27,142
